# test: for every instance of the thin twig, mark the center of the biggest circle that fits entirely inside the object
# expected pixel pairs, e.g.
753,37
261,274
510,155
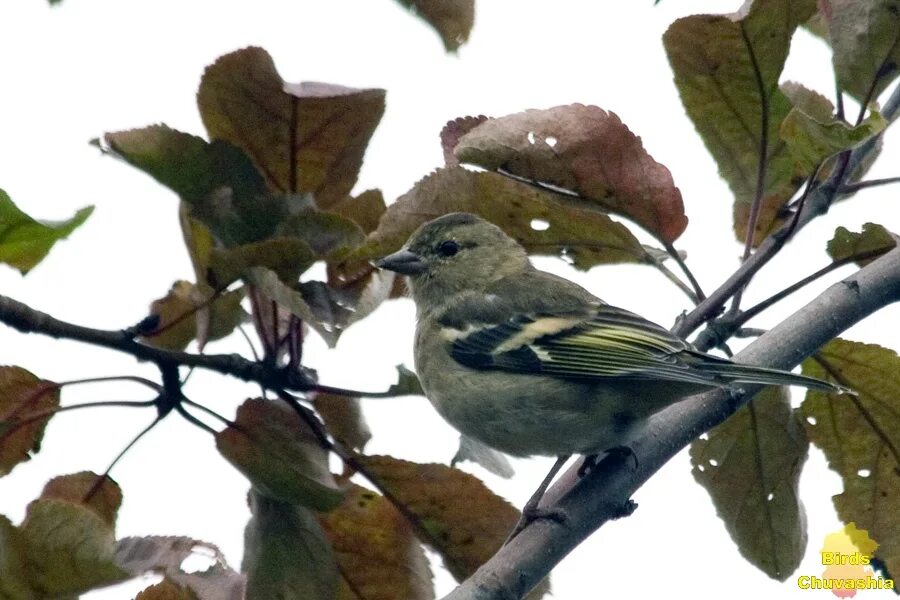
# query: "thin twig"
852,188
698,291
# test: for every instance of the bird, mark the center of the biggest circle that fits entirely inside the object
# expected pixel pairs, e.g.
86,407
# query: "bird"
530,363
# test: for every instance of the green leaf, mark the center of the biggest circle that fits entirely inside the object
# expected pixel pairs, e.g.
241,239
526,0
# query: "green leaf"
286,553
865,37
288,257
750,465
377,552
280,455
540,220
13,574
811,140
23,396
329,235
860,437
344,419
583,149
184,316
304,138
874,241
452,19
24,242
713,57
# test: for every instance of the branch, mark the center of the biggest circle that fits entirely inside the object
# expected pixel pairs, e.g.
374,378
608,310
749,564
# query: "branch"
817,204
599,497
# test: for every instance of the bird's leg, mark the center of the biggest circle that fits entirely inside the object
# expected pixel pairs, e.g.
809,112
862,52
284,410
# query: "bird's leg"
531,511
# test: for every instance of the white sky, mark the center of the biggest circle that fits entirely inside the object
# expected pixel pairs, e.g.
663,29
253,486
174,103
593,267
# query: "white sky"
71,73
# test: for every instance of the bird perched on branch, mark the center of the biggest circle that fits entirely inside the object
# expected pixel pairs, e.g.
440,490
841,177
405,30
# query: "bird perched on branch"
532,364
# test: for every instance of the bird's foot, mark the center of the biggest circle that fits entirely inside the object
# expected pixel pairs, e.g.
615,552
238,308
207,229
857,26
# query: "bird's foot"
592,460
530,514
626,510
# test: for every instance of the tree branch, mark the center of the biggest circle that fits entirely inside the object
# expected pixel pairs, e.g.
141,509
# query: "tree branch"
817,204
599,497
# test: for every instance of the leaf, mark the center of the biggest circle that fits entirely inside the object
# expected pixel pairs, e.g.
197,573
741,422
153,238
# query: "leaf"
750,465
23,395
586,150
99,494
329,235
810,140
326,310
24,242
859,435
452,19
304,138
874,241
288,257
474,451
343,418
167,590
713,59
456,514
286,553
165,554
69,548
407,383
378,554
14,583
365,209
810,102
865,38
532,216
451,133
180,315
279,454
198,240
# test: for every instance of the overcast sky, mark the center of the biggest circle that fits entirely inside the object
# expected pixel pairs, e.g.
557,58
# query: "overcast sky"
73,72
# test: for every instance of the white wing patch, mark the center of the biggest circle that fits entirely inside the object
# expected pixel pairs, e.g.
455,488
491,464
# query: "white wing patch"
538,329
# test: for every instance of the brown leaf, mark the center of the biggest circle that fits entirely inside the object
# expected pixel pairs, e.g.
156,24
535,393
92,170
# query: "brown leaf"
453,19
184,314
451,133
167,590
100,494
859,435
23,395
14,583
279,454
586,150
874,241
344,419
378,555
307,137
532,216
457,515
750,465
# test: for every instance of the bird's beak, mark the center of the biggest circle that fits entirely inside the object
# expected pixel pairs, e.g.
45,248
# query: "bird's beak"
402,261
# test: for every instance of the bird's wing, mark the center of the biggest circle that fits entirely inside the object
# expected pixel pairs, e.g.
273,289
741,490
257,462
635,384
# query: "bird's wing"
596,342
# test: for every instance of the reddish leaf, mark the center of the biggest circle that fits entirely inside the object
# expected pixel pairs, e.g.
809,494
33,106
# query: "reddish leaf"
586,150
23,395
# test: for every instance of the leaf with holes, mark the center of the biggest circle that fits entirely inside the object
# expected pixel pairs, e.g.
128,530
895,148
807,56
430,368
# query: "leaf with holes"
23,396
286,553
304,138
24,242
863,247
377,552
750,465
723,65
860,437
586,150
279,454
542,221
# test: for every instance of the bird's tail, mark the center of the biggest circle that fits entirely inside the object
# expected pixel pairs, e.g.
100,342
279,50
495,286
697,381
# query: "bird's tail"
738,373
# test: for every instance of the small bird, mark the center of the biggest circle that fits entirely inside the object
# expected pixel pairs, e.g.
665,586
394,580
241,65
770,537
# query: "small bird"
530,363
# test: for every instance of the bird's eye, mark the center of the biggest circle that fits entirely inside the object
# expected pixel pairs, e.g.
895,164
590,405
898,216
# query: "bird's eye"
448,248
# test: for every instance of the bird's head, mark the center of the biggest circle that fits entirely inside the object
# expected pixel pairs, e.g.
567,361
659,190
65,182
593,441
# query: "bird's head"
455,253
